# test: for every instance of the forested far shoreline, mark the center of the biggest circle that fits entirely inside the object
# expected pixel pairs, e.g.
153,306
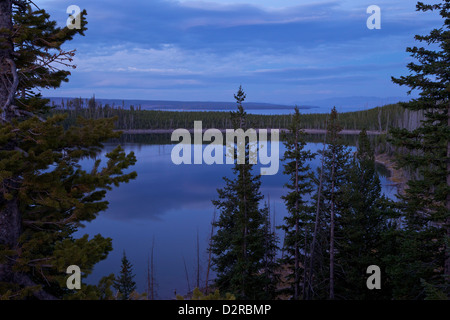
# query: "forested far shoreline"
133,119
309,131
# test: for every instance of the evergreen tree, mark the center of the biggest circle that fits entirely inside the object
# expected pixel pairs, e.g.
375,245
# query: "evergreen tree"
336,163
426,152
298,223
239,246
124,283
270,264
362,223
334,175
45,194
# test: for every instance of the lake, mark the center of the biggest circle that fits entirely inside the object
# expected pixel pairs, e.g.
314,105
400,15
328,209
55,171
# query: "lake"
170,204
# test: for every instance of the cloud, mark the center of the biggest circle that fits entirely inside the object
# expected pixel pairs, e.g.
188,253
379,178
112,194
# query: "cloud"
197,50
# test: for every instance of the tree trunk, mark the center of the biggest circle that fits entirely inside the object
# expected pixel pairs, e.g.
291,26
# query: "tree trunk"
198,262
10,219
187,276
149,281
209,254
6,50
316,225
244,244
304,266
379,121
151,275
447,254
10,229
332,231
297,280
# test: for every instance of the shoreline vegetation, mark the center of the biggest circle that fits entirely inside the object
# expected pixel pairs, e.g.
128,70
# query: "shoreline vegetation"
136,120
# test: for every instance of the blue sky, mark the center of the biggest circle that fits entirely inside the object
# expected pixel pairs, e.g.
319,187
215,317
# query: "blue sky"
281,51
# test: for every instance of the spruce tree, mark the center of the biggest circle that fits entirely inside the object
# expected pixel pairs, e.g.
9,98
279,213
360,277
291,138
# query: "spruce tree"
362,223
336,158
425,151
336,166
239,246
298,223
45,194
124,283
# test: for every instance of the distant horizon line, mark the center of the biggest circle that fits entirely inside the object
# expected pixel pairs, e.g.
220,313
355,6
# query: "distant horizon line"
250,103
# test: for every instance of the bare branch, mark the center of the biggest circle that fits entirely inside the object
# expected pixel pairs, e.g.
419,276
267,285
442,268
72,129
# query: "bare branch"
21,151
4,120
23,5
14,85
27,113
20,4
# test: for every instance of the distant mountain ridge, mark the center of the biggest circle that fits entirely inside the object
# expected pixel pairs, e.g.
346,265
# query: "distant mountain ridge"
181,105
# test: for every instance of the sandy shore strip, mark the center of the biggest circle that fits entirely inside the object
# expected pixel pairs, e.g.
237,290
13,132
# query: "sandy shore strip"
397,176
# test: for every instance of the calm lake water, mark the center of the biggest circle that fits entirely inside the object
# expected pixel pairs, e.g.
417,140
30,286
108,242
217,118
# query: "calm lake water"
170,204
